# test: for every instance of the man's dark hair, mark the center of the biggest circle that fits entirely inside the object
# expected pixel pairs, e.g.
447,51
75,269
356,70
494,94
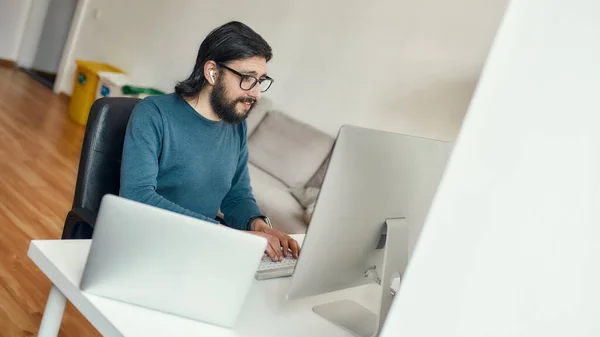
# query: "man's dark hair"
231,41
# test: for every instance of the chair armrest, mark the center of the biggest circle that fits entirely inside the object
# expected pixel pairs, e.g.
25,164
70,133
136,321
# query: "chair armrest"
79,224
221,220
84,215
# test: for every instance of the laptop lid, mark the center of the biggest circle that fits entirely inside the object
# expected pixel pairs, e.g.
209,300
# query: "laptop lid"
170,262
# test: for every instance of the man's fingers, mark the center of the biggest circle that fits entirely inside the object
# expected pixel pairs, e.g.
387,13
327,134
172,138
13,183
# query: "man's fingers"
295,247
271,252
284,246
274,242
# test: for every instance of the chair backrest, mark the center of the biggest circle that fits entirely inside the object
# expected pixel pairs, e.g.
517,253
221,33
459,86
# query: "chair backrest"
100,161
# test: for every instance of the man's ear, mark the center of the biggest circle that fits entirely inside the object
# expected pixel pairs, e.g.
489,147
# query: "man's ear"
210,72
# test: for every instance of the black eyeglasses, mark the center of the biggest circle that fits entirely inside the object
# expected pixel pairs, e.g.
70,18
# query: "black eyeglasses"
248,82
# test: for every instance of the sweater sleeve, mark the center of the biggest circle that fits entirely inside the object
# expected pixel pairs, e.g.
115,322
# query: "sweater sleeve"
141,152
239,205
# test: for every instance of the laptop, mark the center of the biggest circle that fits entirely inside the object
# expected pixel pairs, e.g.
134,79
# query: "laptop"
169,262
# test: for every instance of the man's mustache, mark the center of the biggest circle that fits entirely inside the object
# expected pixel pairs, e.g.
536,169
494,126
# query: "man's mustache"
246,100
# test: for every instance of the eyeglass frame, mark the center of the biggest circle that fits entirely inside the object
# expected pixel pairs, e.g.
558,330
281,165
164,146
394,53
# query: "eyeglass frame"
243,76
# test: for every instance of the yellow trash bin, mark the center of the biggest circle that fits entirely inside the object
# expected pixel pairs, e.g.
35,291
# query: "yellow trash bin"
84,88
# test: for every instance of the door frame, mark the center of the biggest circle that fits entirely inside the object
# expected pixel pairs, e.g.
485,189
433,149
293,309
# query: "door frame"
69,50
26,51
31,32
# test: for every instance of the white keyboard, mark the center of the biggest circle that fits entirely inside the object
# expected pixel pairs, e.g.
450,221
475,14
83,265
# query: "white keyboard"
268,269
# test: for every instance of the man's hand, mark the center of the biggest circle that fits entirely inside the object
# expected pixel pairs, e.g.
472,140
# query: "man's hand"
278,242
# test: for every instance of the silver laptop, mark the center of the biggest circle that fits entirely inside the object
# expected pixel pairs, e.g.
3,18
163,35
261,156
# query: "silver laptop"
170,262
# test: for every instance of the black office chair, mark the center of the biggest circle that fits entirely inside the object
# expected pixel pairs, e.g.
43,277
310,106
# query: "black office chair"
100,163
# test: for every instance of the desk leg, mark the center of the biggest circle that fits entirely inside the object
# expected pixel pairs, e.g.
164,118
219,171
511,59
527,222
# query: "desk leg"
53,314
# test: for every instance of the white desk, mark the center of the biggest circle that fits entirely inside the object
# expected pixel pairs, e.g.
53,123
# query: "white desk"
265,313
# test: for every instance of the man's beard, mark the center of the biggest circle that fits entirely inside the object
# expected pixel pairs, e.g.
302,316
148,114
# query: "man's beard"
226,110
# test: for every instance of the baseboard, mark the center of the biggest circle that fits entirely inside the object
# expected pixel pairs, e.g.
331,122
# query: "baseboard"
45,74
7,63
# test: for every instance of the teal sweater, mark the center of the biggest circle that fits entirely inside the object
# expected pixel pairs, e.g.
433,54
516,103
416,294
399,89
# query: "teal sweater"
175,159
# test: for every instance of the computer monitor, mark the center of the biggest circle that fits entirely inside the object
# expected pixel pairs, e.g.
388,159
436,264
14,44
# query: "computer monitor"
374,199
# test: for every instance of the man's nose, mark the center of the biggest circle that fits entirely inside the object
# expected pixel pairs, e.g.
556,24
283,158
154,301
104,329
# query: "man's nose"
255,92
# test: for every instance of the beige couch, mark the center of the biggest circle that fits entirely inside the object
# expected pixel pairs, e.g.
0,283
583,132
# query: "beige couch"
287,163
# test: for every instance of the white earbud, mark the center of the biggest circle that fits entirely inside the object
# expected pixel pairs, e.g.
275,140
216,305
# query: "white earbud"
212,76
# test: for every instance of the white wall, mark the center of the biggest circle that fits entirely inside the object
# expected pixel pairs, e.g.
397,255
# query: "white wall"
511,244
54,35
13,15
407,66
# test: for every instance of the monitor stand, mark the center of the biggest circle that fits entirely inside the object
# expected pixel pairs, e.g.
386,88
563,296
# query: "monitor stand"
352,316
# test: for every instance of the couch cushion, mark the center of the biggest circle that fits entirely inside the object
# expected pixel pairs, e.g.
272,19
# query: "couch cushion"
276,202
262,179
306,196
285,216
319,176
288,149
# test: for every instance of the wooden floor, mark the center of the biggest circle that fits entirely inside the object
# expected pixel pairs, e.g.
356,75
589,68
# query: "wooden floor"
39,154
